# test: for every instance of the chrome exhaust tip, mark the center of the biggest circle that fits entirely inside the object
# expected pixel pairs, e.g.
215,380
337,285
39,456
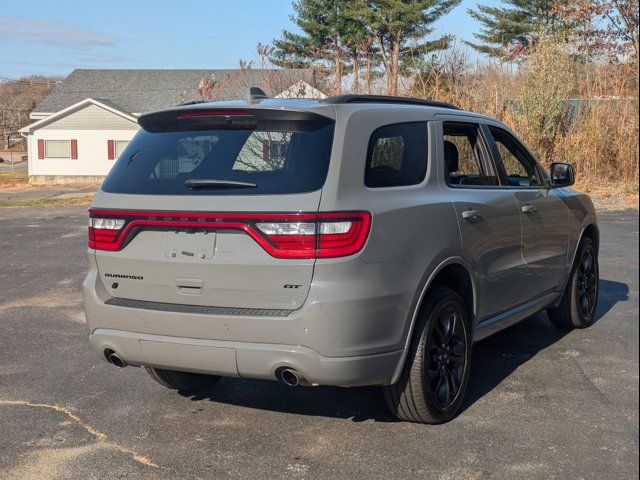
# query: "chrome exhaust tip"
113,358
289,377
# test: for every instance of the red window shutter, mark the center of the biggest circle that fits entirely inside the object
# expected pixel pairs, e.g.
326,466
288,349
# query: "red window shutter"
111,150
74,149
265,150
40,148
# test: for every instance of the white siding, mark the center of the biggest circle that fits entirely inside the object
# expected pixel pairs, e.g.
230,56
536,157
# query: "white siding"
92,151
90,117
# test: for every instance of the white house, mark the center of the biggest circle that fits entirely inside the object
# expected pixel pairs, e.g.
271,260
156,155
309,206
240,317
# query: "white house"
80,129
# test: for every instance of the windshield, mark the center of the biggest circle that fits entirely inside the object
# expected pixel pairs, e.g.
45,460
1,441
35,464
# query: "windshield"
267,157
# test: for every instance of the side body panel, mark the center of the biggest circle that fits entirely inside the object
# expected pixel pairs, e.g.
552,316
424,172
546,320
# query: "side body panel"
491,240
582,215
545,238
545,224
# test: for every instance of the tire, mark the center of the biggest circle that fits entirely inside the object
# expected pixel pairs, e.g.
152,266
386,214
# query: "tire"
417,396
574,311
183,381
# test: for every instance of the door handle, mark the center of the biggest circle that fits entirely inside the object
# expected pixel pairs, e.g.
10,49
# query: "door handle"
529,209
468,214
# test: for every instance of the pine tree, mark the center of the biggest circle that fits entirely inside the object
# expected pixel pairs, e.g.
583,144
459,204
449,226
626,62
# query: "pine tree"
507,30
328,39
400,29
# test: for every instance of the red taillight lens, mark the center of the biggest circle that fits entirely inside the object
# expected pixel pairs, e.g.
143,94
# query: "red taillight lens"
341,234
214,113
334,234
103,232
286,235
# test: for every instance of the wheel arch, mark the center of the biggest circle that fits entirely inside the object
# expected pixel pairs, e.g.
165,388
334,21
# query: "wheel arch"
591,231
454,273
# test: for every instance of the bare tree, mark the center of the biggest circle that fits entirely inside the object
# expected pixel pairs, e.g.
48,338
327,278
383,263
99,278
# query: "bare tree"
18,98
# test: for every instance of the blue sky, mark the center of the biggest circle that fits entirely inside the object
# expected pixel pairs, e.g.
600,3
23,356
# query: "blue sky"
54,37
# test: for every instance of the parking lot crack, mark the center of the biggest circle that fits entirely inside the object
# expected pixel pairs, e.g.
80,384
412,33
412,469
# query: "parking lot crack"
96,434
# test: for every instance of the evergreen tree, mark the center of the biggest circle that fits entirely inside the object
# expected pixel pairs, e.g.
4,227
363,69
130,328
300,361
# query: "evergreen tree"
507,30
400,29
328,40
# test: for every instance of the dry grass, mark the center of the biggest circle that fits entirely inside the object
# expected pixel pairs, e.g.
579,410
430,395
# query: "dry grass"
46,202
600,141
13,179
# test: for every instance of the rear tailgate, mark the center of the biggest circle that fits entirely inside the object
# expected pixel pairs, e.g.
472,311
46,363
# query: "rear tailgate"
207,263
205,209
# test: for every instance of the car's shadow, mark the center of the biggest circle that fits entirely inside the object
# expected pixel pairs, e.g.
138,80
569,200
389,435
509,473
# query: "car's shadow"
494,359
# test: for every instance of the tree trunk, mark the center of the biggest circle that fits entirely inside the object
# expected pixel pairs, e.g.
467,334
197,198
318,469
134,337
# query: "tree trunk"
356,72
386,61
367,74
395,67
337,85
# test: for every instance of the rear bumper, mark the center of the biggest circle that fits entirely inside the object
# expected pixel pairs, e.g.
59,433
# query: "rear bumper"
344,341
239,359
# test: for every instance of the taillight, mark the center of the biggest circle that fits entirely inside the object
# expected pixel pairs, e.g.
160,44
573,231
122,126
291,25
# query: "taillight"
286,235
334,234
341,234
292,239
103,232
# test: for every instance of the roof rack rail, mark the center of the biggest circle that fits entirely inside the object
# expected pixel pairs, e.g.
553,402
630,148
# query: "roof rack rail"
352,98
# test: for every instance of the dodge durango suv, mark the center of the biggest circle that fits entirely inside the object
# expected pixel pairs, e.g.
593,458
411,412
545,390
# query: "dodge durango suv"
354,240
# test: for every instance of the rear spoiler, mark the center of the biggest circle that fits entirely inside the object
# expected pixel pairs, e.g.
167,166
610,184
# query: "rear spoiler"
203,116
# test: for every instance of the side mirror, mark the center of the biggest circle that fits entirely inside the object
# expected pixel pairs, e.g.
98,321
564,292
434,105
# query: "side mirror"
562,175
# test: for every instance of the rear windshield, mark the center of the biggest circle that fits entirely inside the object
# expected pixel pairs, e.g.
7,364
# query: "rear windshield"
266,157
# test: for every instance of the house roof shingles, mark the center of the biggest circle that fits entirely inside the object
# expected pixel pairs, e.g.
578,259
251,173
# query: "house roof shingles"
137,91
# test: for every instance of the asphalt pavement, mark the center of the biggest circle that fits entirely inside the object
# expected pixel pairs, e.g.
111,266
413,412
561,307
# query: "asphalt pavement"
42,192
6,166
542,403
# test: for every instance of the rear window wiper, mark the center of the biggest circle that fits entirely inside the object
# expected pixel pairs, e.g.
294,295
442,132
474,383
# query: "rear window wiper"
213,183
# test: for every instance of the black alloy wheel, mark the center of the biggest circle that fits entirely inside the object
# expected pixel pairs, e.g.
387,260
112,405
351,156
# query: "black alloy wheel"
446,357
435,375
577,307
587,282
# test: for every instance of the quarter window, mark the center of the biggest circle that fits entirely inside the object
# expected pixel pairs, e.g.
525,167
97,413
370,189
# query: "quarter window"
397,155
57,148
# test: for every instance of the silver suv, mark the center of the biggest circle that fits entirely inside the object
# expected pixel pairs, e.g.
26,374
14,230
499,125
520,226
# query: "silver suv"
355,240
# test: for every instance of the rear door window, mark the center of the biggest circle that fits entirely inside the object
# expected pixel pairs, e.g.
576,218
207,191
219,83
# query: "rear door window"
466,159
263,158
397,155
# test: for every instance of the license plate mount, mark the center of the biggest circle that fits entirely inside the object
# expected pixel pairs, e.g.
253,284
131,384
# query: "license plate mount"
191,246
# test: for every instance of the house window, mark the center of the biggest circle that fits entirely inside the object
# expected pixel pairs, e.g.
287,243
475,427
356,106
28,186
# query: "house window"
278,150
264,152
120,145
57,148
